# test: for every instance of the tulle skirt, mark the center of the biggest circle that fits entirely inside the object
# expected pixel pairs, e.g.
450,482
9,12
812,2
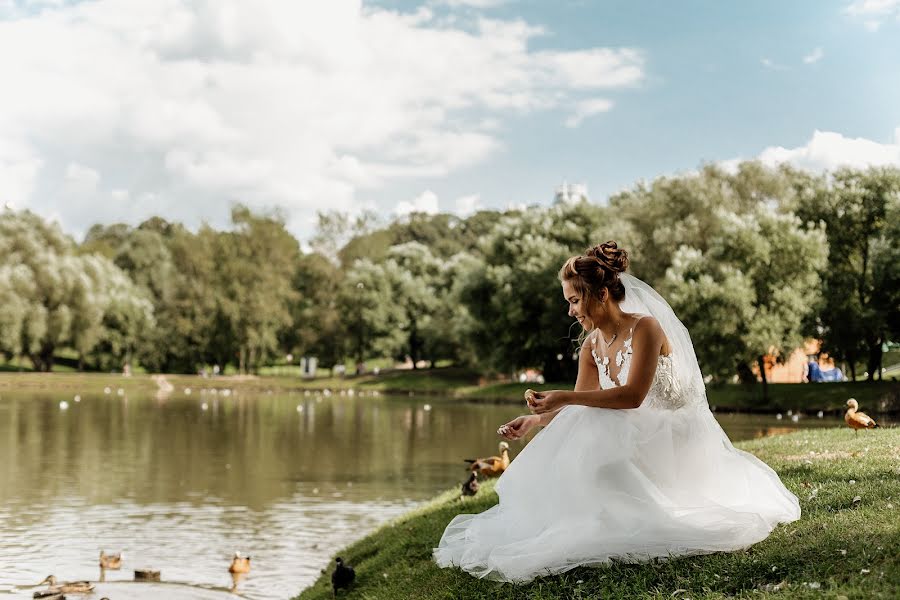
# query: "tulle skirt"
599,484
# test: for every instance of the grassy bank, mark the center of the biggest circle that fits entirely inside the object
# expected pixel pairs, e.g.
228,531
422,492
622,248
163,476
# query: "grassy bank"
846,545
877,397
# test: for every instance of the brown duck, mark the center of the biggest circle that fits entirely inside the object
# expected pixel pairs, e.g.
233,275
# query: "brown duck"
239,564
112,562
492,466
858,420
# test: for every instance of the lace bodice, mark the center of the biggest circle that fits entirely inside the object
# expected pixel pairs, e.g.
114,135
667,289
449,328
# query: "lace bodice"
665,391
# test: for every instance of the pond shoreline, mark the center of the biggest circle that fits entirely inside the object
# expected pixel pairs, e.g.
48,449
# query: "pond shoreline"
830,398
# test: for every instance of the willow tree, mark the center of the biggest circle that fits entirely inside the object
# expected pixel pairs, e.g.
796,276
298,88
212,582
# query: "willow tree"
58,298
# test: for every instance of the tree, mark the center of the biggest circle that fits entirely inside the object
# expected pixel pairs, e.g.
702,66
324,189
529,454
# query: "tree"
860,294
687,210
58,298
334,229
257,261
514,295
748,294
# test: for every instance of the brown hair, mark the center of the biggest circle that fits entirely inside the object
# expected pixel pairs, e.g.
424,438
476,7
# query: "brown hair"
597,268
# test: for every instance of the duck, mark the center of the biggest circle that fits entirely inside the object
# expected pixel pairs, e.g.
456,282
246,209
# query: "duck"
239,564
342,576
470,487
492,466
858,420
113,562
67,587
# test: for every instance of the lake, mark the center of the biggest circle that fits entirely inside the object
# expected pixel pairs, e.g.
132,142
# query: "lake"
180,483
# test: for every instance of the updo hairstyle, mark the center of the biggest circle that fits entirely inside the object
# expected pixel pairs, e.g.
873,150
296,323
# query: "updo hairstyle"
597,268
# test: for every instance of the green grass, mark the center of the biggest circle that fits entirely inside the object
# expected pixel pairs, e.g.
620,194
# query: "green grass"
841,546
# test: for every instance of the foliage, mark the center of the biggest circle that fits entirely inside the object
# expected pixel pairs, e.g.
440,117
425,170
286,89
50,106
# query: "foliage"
723,243
749,293
692,210
861,299
53,297
514,296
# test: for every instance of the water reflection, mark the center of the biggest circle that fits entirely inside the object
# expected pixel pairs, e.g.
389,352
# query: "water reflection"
180,482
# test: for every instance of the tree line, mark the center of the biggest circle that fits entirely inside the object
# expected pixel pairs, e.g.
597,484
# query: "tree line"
753,259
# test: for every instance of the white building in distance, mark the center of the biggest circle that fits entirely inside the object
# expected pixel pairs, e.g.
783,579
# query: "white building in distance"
571,193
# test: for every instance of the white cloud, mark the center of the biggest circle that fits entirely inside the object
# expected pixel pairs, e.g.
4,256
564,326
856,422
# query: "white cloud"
474,3
588,108
770,64
468,205
19,168
81,180
814,56
426,202
830,150
874,12
191,105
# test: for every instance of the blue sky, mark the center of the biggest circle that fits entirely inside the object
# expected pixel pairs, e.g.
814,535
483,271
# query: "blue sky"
706,96
118,110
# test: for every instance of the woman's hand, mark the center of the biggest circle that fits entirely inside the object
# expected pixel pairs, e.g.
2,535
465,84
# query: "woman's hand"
544,402
518,427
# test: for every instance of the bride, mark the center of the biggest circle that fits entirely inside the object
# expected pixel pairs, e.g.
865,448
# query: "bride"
629,466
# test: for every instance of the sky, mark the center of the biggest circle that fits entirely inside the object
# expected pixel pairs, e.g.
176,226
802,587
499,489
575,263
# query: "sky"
117,110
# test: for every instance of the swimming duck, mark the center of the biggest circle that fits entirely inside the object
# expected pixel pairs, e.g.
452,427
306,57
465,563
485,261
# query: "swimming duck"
858,420
113,562
239,564
492,466
67,587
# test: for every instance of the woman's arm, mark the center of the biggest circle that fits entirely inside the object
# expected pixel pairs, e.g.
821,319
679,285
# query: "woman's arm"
647,343
588,378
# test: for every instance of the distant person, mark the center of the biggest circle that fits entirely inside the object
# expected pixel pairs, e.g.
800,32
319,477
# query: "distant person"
631,465
813,372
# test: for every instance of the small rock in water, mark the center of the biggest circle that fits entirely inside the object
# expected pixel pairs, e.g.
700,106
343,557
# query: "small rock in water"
146,575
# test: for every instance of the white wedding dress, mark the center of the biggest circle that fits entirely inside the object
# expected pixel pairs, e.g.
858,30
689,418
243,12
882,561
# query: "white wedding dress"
600,484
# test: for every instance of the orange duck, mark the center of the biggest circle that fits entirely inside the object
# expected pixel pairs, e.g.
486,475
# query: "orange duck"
492,466
239,564
858,420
